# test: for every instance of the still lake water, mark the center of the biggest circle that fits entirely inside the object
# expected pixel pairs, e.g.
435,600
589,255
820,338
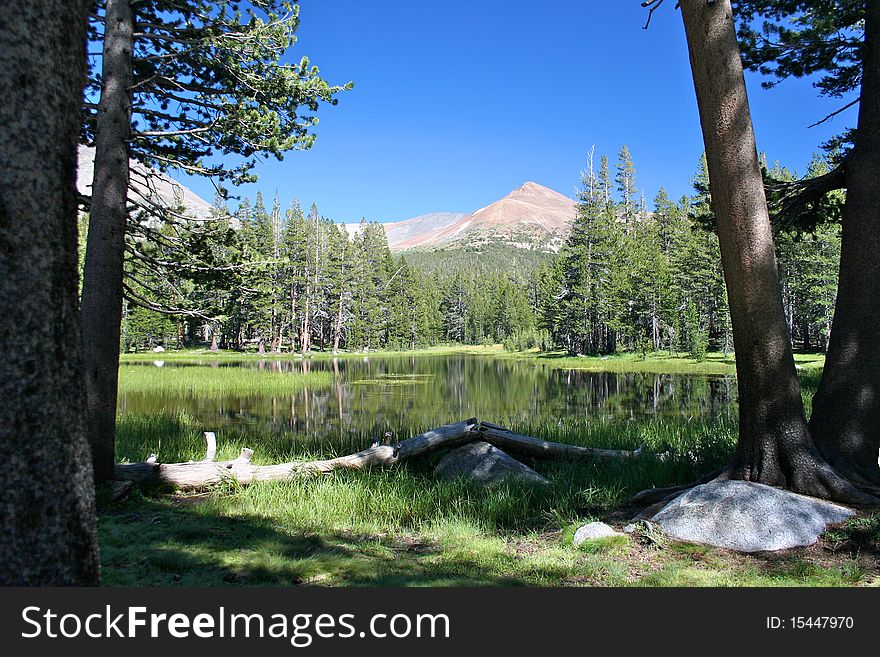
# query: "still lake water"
397,393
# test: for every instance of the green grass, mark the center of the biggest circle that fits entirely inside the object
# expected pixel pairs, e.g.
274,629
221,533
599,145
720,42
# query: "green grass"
405,527
661,362
216,381
607,544
201,354
656,363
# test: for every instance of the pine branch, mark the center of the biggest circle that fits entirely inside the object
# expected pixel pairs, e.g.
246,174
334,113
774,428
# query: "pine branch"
791,203
137,300
835,113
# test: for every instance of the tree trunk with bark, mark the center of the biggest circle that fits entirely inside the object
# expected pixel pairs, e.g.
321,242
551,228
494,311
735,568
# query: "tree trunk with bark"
293,334
105,249
846,408
306,331
46,487
775,446
338,322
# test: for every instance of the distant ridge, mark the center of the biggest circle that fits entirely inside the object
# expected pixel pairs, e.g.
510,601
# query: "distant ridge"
162,191
401,232
531,217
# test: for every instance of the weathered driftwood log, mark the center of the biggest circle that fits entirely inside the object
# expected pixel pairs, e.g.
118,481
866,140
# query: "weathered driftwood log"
200,474
543,449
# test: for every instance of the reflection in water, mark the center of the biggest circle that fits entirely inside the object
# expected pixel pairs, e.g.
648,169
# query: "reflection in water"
433,390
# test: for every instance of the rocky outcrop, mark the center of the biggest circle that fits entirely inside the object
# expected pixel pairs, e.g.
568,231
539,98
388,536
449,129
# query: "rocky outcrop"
747,517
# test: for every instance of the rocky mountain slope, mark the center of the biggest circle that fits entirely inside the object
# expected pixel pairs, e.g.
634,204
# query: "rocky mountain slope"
157,188
531,217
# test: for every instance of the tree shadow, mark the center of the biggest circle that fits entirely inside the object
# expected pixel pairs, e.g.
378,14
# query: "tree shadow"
149,542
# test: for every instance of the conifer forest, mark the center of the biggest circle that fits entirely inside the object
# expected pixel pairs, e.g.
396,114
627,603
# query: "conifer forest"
242,348
631,276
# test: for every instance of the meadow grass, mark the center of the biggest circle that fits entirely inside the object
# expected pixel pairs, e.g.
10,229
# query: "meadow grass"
216,381
404,526
201,354
660,362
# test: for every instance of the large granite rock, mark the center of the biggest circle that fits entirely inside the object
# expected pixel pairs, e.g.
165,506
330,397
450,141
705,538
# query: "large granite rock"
747,517
594,530
486,464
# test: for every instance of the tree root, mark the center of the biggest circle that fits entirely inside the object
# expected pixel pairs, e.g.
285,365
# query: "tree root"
645,504
825,482
820,481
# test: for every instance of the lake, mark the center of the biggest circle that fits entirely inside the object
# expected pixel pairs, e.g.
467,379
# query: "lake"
394,393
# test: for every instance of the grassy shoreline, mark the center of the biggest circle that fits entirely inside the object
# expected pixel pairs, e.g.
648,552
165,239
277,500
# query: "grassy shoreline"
406,527
230,355
217,381
714,363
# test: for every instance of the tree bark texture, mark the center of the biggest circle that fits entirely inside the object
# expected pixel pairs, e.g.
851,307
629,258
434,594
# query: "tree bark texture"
105,249
46,487
775,446
846,408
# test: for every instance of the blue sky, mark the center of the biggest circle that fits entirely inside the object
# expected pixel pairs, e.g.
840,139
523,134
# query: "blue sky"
457,103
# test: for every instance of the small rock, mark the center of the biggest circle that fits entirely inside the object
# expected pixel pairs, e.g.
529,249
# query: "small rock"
485,463
592,531
747,517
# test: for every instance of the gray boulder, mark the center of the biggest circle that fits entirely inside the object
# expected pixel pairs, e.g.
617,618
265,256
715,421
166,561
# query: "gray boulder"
486,464
747,517
594,530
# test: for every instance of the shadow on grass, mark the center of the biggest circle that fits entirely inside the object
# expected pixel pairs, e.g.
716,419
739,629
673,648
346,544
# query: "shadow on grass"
160,542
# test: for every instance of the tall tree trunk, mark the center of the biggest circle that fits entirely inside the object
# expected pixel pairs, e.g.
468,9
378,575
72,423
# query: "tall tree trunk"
846,408
807,342
292,318
337,324
276,336
46,487
306,330
102,276
775,446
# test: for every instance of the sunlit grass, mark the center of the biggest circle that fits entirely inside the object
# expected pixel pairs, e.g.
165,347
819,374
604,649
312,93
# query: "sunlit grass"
201,354
230,381
398,526
404,526
659,362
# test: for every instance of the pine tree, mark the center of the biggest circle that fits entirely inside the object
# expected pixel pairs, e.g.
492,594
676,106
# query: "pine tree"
605,181
588,294
339,281
179,83
293,241
455,309
626,186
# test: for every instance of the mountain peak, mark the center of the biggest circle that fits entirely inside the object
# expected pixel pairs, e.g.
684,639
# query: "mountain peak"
529,188
530,217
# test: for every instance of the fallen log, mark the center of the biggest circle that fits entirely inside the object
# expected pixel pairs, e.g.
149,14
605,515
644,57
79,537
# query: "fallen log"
207,472
201,474
543,449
